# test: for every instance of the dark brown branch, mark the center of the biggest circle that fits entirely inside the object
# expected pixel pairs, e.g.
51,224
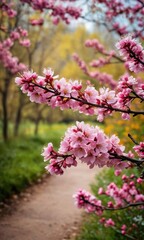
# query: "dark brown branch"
133,55
129,135
113,209
126,158
126,206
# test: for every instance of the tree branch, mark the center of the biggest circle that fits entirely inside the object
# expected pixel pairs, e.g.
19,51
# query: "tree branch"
108,107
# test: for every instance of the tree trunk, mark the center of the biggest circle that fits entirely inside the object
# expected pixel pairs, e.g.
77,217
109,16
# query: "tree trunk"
36,126
5,108
18,114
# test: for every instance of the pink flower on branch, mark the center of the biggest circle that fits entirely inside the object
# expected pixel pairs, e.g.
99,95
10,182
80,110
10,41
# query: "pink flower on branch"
103,78
87,144
132,52
69,94
37,22
8,8
139,149
84,199
115,10
25,43
109,223
122,197
94,43
57,10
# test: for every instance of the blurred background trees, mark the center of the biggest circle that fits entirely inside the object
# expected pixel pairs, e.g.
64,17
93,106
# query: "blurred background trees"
51,46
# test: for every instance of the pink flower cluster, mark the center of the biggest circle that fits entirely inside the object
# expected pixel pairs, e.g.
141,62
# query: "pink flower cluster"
86,144
139,149
128,88
121,30
58,9
100,62
110,223
58,161
132,52
8,61
7,7
69,94
61,93
123,197
84,199
37,22
115,10
103,78
94,43
80,63
6,58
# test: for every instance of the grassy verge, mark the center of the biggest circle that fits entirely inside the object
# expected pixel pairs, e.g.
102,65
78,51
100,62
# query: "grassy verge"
21,162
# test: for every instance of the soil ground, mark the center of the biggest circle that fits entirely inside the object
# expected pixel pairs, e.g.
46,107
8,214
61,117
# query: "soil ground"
46,211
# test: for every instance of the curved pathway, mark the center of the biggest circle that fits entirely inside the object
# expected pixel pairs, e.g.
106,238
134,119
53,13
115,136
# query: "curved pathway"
49,213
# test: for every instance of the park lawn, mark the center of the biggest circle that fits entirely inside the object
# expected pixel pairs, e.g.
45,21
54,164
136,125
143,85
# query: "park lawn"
21,162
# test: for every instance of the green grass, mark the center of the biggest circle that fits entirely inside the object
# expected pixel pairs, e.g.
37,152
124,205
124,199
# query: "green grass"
21,162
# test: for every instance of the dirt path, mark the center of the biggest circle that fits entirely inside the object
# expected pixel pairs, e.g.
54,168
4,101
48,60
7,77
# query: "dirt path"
49,214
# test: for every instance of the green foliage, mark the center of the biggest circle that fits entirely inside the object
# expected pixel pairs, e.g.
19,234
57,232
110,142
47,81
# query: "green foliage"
21,162
20,165
93,230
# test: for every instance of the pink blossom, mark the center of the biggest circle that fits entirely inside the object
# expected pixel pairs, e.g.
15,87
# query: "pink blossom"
25,42
123,229
8,43
37,22
132,53
139,198
57,10
91,94
94,43
139,149
114,145
109,223
117,172
84,199
47,151
11,13
100,191
126,81
140,180
124,177
140,90
110,204
15,35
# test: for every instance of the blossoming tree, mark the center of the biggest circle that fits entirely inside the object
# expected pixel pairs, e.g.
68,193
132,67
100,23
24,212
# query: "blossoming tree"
88,144
16,20
82,142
